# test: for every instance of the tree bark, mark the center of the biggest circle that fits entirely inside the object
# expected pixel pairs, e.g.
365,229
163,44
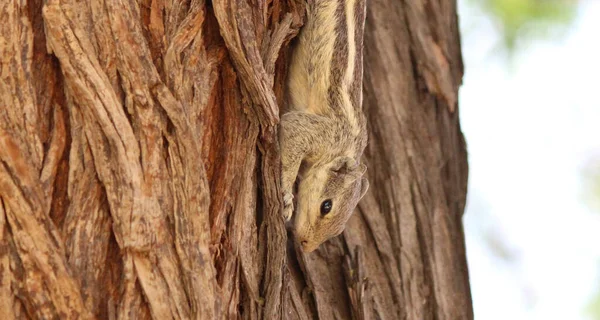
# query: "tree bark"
139,165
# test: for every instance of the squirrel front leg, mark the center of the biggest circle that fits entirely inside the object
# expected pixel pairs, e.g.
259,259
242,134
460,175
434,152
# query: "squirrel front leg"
298,136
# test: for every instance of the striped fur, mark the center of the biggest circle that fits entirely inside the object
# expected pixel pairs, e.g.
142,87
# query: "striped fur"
328,56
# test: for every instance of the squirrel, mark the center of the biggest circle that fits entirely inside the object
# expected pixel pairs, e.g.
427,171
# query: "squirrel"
323,134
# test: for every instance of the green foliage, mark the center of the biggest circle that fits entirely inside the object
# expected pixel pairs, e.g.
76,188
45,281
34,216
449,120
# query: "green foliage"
593,308
527,20
592,198
592,185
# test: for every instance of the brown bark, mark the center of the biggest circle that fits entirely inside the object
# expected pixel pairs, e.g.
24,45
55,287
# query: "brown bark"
139,165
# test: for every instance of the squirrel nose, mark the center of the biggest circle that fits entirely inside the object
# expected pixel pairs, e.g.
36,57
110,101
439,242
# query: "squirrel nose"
304,243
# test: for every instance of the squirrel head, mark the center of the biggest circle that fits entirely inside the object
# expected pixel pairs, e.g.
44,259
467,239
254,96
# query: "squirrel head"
327,196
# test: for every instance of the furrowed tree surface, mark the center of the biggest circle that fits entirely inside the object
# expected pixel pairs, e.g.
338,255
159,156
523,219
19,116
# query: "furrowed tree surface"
139,165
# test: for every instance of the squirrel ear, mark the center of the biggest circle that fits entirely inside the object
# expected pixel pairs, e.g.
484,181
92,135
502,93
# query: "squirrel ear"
343,164
362,168
358,171
364,186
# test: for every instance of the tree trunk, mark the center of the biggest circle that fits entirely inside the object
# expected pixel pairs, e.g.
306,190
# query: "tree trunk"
139,165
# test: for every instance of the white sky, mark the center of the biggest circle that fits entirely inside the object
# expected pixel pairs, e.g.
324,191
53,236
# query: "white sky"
530,132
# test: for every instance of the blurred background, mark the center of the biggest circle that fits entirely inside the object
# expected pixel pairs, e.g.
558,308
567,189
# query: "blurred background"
530,112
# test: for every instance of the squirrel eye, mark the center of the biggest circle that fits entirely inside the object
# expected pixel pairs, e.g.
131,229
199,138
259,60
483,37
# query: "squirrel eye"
326,207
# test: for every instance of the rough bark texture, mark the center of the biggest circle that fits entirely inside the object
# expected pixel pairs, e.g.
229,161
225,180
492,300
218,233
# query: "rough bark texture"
139,165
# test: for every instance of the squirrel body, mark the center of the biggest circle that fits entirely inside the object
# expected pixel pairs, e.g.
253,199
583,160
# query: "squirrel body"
324,133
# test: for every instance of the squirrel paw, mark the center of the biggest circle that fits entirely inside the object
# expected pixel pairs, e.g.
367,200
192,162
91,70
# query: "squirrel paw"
288,206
